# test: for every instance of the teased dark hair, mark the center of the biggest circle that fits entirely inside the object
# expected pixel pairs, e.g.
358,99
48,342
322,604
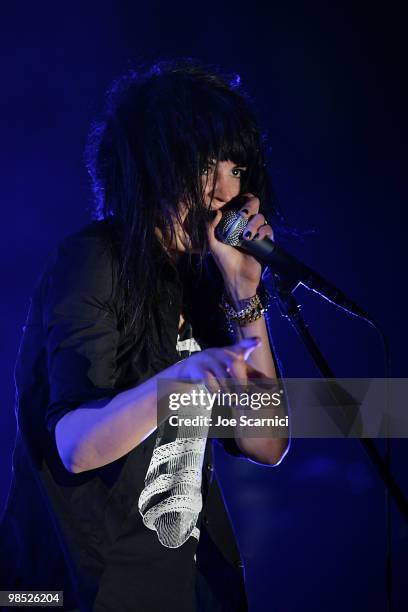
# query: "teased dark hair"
161,126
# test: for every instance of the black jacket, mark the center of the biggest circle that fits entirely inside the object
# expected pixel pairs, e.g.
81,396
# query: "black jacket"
82,533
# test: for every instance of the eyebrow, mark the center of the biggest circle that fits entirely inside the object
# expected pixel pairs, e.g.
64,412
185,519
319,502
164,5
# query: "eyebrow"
213,162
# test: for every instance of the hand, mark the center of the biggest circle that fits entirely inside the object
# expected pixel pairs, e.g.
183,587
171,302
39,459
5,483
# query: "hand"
214,365
241,271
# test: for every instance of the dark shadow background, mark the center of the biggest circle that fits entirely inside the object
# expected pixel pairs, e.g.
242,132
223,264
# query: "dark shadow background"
327,79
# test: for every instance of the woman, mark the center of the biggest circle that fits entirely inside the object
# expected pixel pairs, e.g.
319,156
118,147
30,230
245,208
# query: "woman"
122,516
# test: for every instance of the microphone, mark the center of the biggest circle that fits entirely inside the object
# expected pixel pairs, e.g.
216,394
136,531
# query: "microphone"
290,270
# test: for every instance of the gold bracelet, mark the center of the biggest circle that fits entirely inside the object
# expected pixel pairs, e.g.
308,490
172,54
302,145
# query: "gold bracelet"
252,309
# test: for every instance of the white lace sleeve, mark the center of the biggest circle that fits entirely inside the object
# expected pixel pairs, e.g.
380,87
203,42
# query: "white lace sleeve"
171,499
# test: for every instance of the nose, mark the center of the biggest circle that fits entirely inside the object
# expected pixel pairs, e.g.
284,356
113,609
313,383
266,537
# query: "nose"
224,190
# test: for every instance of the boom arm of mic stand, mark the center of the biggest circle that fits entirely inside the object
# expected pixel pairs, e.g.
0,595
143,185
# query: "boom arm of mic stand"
291,310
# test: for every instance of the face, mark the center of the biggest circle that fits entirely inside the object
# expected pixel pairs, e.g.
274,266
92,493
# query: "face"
226,185
219,188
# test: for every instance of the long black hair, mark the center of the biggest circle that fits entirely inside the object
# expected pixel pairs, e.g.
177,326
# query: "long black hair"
161,126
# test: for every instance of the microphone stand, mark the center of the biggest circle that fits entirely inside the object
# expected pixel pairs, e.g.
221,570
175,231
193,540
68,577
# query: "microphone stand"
295,273
290,309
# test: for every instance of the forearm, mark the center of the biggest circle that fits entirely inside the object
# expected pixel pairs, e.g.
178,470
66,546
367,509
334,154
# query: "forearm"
261,357
268,450
90,437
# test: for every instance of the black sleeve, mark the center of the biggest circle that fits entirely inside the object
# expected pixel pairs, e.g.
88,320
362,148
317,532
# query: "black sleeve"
80,325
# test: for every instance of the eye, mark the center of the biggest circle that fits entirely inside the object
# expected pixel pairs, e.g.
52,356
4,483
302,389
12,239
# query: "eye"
208,169
238,172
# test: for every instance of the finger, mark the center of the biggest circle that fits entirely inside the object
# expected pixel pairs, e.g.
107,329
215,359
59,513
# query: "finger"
218,361
244,347
242,373
254,225
229,371
222,376
212,382
265,231
250,204
238,372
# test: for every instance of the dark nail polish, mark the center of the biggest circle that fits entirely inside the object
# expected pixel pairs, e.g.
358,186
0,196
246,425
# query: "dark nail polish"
256,236
247,234
245,210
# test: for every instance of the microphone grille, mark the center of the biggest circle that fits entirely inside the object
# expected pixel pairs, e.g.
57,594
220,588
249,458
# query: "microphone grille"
229,229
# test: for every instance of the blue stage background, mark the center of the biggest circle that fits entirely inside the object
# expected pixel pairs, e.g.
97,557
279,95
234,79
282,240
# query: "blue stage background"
327,79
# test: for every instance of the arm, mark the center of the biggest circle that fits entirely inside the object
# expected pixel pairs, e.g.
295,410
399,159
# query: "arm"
261,358
102,431
268,451
93,424
241,275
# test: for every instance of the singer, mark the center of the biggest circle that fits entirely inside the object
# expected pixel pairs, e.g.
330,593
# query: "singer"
104,504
